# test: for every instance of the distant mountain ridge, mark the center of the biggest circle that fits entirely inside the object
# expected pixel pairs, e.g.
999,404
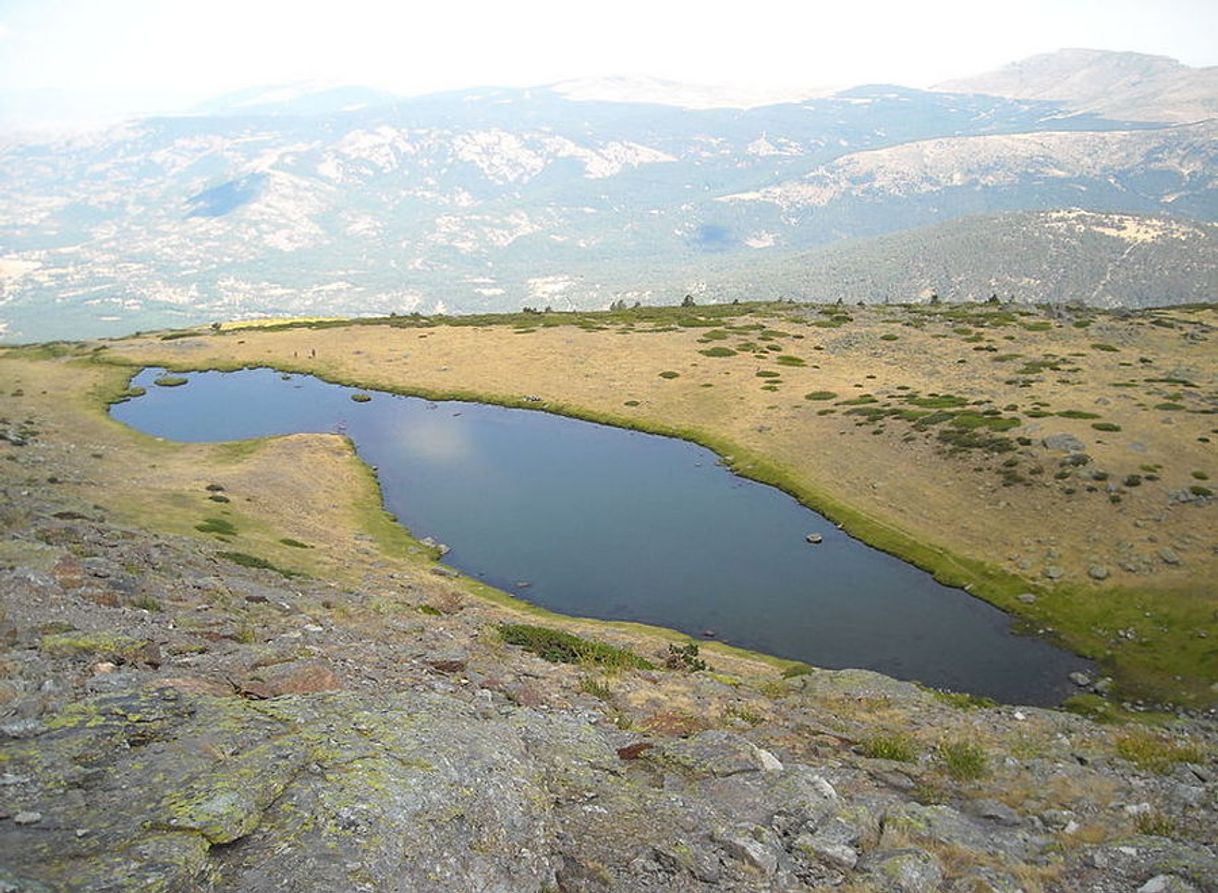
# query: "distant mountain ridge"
352,201
1124,86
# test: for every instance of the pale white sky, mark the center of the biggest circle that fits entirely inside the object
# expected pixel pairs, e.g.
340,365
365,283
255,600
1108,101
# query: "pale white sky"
128,56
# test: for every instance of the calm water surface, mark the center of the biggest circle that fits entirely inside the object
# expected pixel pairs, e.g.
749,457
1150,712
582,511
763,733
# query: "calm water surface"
602,522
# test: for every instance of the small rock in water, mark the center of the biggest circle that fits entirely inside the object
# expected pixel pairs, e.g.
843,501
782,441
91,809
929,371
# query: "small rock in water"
814,538
1082,680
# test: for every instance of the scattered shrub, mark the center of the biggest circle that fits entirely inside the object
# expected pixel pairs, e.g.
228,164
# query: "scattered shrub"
684,657
557,646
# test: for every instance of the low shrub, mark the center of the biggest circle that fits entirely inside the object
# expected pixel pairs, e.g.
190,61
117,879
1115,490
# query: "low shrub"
561,647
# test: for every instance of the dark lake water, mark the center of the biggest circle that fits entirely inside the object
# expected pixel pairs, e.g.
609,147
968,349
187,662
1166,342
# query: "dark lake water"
615,524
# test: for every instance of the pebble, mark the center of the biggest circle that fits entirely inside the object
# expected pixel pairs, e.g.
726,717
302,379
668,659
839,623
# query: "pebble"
1097,572
27,818
1026,597
814,538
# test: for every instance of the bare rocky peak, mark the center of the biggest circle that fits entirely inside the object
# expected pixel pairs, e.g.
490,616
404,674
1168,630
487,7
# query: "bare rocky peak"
1127,86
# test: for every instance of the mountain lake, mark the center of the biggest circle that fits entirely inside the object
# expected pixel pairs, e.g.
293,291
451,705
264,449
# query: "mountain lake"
596,521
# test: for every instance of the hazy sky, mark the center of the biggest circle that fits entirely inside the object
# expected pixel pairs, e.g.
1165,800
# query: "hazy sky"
144,55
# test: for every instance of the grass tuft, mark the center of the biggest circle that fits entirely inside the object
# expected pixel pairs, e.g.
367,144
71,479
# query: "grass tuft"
963,760
897,747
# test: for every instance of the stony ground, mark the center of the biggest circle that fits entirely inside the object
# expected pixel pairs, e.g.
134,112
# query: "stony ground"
171,719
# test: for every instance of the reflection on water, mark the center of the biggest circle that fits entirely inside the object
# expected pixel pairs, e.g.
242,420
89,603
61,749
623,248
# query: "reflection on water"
597,521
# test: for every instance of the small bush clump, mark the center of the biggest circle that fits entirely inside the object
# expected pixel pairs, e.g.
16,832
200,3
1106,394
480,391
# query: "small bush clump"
561,647
684,657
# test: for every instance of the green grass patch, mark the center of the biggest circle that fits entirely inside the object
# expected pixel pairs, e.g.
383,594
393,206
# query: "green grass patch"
936,401
718,351
295,544
820,395
787,359
1107,348
361,398
797,669
1106,426
962,700
1157,753
670,374
973,420
561,647
889,747
246,560
1077,414
963,760
218,526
